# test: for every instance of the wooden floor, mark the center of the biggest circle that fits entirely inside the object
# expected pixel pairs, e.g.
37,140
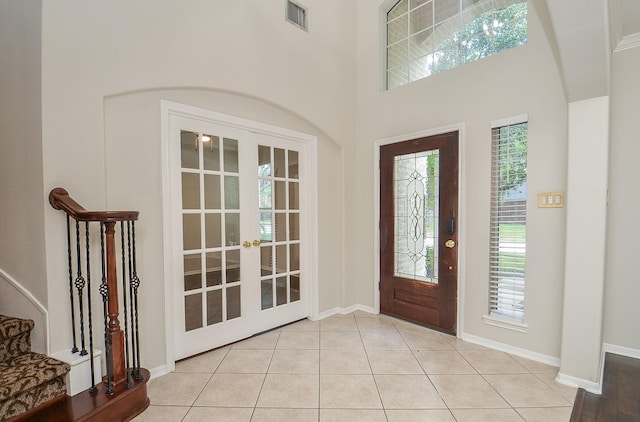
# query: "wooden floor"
620,398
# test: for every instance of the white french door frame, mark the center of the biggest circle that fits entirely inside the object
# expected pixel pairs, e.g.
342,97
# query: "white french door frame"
170,109
460,127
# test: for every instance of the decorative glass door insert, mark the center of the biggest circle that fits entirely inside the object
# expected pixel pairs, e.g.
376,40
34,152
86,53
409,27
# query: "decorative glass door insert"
416,215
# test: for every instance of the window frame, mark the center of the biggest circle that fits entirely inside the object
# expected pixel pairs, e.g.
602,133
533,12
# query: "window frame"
408,65
494,317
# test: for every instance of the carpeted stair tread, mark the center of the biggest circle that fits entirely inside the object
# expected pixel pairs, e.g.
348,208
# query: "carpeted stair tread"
11,327
27,379
15,337
28,371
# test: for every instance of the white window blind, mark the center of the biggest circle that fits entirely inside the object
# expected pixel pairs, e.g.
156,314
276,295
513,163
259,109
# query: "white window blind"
425,37
508,243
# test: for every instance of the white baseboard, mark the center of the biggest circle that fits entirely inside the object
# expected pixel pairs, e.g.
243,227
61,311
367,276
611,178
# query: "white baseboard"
347,310
158,371
596,387
367,309
620,350
527,354
328,313
590,386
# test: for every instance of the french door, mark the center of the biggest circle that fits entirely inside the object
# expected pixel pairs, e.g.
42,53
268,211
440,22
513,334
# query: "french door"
240,259
418,234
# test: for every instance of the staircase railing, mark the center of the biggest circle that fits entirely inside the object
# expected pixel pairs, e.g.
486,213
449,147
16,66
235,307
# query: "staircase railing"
121,341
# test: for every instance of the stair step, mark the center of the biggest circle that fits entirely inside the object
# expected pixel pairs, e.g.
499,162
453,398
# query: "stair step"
123,405
15,337
11,327
29,380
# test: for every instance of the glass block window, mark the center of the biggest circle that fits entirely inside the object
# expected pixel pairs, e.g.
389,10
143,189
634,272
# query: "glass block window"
508,231
425,37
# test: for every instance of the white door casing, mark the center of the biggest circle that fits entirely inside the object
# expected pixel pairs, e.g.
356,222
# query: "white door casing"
254,281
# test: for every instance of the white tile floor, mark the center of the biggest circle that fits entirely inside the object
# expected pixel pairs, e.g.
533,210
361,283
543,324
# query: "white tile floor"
357,367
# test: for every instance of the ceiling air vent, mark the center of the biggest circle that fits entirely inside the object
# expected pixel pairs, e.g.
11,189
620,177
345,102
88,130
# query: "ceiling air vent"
297,15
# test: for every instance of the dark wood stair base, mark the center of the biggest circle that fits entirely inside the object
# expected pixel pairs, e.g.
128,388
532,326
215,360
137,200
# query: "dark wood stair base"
123,405
620,398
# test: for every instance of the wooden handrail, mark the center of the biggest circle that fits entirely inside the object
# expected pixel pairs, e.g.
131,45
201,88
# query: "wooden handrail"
116,354
59,199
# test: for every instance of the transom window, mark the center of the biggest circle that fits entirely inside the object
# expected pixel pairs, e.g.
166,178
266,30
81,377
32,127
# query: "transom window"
425,37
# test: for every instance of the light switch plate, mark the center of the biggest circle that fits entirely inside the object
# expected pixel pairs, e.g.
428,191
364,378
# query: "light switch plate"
551,200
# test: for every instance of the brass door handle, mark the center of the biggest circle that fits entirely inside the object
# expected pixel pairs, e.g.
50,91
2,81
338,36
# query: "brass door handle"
450,243
246,244
256,243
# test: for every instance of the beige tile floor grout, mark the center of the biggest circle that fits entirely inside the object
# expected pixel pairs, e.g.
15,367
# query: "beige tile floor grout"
357,367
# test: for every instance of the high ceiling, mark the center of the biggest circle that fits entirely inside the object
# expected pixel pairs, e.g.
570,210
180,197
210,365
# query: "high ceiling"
630,17
586,33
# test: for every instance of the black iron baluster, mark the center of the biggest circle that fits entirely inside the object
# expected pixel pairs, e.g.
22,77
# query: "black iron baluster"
133,345
80,283
93,388
135,283
74,349
124,301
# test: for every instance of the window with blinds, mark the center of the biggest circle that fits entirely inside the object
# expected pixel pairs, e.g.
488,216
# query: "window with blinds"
508,221
425,37
297,15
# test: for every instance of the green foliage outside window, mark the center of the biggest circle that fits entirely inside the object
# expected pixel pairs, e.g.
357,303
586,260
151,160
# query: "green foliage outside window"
422,41
513,158
487,34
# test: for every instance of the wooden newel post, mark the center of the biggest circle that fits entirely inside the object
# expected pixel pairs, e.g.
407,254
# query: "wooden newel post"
122,394
115,336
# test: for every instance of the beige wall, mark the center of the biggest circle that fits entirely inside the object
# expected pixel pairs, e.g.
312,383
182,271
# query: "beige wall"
105,64
517,81
585,239
132,125
22,253
243,53
622,284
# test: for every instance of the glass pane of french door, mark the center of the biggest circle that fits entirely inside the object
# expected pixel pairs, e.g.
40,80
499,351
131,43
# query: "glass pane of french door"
278,202
239,218
210,229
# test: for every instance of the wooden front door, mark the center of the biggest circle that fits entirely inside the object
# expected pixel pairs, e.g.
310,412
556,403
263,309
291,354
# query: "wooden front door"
418,230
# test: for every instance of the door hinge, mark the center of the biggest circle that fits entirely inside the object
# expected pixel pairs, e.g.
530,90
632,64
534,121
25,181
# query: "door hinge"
379,285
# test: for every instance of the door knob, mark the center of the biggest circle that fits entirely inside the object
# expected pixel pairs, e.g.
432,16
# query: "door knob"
246,244
256,243
450,243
